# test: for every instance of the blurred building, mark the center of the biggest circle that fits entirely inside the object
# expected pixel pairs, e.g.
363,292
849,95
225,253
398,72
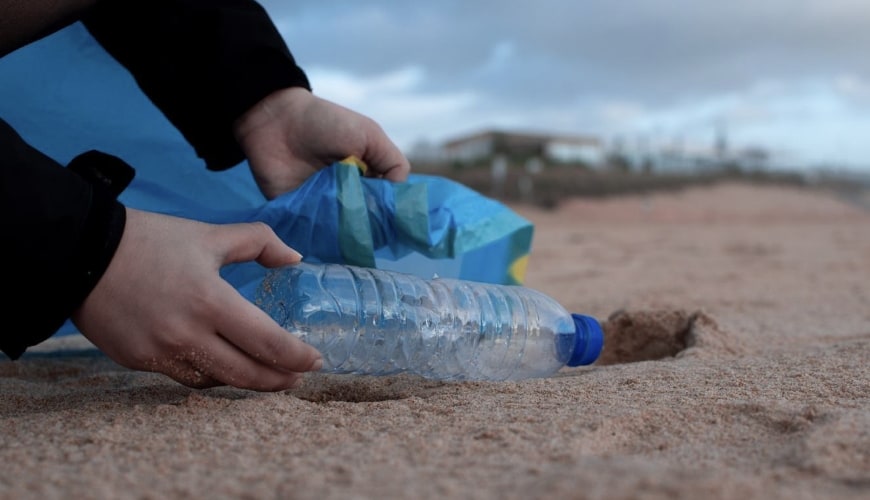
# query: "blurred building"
681,157
517,146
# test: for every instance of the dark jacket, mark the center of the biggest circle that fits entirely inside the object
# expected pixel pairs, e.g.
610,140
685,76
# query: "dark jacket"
203,64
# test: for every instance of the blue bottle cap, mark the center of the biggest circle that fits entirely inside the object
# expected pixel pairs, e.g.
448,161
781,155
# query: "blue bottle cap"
588,340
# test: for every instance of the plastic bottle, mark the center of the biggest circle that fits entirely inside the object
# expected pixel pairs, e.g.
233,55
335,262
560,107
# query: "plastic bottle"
376,322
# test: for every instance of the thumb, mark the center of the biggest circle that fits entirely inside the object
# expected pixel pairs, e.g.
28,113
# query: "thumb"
255,241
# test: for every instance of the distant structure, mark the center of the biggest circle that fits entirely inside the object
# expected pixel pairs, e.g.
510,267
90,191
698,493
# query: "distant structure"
681,156
523,147
720,145
535,151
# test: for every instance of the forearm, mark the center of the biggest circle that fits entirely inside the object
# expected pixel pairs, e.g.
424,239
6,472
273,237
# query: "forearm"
202,62
59,233
23,21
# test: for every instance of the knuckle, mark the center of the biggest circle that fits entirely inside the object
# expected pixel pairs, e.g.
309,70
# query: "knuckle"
261,229
204,300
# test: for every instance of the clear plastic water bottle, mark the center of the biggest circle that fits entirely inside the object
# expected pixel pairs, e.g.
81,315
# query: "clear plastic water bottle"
376,322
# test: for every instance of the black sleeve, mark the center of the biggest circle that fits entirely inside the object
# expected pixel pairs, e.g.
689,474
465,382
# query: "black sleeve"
60,228
202,62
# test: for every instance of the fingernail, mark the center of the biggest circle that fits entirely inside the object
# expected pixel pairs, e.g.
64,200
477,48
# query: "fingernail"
317,365
298,255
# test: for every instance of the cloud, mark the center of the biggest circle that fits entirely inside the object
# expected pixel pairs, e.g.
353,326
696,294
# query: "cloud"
782,69
807,121
854,89
643,49
395,100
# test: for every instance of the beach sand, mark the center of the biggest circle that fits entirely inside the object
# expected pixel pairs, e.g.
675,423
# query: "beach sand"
736,365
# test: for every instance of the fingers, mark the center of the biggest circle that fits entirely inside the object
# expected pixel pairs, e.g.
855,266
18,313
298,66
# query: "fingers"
220,363
194,326
243,346
255,333
252,350
216,363
248,351
385,158
395,170
254,241
184,372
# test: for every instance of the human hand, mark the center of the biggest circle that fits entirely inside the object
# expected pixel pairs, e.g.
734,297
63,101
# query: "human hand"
292,133
162,306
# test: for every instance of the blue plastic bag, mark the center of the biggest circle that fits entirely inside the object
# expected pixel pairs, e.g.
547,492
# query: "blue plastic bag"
64,94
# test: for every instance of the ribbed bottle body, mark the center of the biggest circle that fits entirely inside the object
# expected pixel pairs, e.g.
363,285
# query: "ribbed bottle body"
376,322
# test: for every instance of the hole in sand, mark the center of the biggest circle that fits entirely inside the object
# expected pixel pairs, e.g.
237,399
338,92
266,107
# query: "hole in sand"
322,388
635,336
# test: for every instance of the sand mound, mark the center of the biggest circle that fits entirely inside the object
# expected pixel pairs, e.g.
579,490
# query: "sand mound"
632,336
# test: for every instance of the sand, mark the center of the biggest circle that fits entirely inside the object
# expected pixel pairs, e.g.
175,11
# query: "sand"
737,365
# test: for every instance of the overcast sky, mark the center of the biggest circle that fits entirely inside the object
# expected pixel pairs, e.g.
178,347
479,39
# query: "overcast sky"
792,76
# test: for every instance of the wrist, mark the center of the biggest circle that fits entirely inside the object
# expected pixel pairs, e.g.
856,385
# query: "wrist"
268,111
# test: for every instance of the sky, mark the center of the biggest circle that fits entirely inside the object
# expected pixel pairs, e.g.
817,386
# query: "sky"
789,76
